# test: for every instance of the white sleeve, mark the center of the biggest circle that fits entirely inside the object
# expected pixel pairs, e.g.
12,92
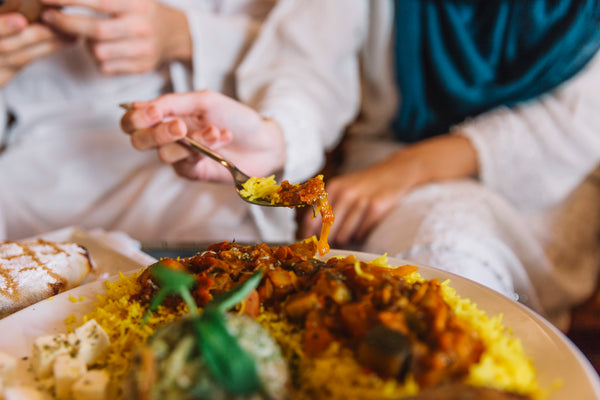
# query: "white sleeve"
221,34
303,72
536,153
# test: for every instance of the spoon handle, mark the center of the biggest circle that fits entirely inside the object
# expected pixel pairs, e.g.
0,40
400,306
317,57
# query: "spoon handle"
193,144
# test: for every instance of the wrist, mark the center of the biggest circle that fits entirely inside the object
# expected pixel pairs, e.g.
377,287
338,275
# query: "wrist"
178,40
415,170
442,158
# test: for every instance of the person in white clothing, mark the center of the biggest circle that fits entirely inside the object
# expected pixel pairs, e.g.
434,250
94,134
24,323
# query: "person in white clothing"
495,178
505,193
65,160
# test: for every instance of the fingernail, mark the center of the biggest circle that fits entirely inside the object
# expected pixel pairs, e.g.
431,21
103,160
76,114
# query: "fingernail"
209,132
174,128
16,23
153,113
48,15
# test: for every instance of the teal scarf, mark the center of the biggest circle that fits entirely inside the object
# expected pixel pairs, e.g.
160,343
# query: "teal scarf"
458,58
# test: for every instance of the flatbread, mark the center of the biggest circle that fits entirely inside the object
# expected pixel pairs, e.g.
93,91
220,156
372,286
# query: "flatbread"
31,271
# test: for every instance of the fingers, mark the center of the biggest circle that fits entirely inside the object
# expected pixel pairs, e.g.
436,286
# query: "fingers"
26,37
377,210
126,37
164,137
203,169
147,113
141,115
94,27
187,167
158,135
105,6
18,52
23,57
128,56
131,49
11,24
188,103
126,66
209,136
358,215
21,43
357,210
144,114
348,208
173,153
213,137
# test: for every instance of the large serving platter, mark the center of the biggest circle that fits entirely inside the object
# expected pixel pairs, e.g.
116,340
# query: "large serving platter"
561,367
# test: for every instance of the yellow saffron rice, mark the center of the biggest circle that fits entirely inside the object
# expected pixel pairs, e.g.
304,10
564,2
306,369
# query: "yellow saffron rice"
122,321
261,188
334,375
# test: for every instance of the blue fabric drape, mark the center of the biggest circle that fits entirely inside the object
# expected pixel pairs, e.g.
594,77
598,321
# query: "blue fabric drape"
458,58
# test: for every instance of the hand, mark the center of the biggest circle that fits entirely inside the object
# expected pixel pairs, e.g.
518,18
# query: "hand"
239,133
125,37
362,199
22,43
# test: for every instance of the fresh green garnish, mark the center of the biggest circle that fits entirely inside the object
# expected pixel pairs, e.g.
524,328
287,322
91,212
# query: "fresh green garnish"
236,295
228,363
171,282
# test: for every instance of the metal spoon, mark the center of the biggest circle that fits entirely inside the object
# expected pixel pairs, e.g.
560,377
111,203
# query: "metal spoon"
239,178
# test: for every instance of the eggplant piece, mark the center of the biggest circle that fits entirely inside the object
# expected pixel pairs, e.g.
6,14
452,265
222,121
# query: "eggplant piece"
300,304
385,351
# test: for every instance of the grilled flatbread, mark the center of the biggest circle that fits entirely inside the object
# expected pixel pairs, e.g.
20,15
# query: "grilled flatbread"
34,270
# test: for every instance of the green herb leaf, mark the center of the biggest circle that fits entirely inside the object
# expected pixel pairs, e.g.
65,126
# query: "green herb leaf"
236,295
231,365
171,281
228,363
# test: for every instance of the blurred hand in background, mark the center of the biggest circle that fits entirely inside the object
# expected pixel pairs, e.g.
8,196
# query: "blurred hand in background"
125,37
22,42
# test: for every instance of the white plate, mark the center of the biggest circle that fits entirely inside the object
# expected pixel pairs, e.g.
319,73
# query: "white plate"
555,357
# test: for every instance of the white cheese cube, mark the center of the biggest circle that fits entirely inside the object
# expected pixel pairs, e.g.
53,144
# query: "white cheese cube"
45,350
92,386
23,393
8,366
67,370
91,341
